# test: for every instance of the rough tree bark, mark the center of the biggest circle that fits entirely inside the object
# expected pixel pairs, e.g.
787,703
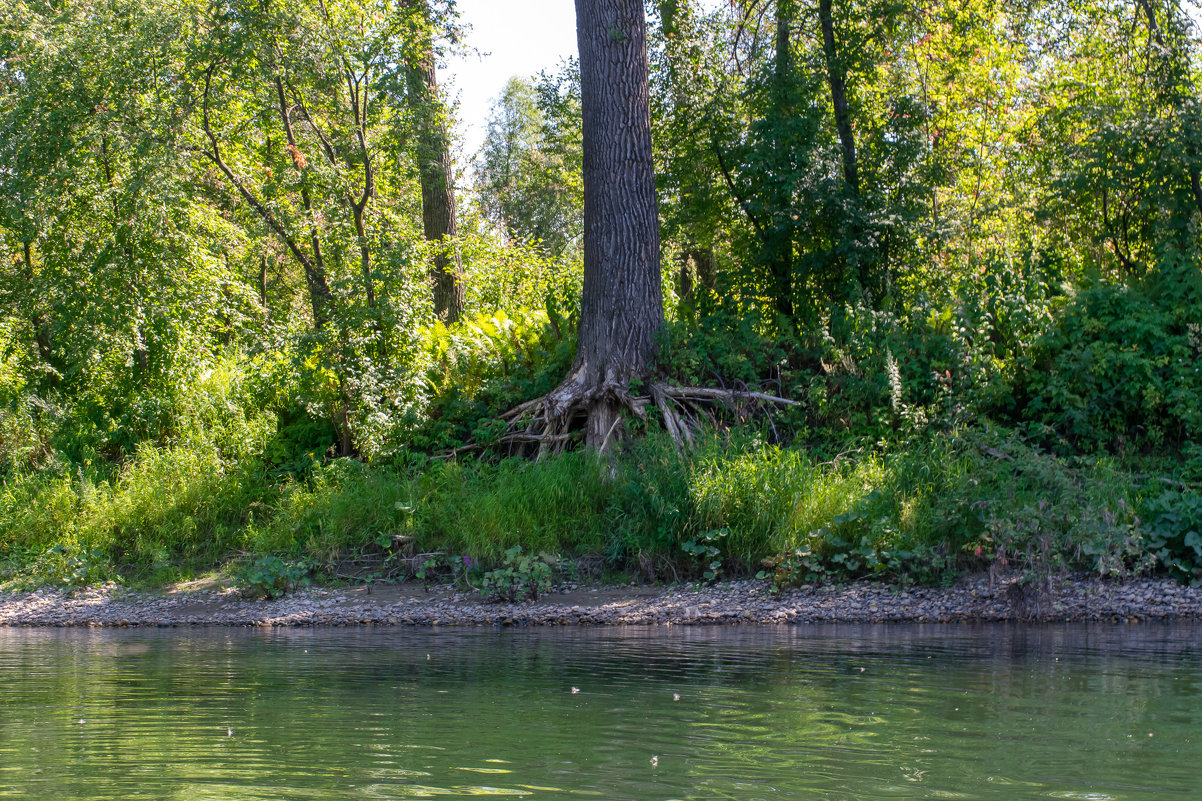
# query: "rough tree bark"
438,185
622,304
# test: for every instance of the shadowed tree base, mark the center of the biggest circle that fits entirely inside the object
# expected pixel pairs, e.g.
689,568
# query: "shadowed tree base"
576,410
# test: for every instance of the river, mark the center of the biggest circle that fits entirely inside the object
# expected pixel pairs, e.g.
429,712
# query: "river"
810,712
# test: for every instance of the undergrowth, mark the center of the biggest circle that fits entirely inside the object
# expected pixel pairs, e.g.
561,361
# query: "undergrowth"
919,510
1022,427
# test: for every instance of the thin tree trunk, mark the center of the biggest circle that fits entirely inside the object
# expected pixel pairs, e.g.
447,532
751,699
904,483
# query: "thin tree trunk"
141,355
41,330
837,78
705,261
697,260
697,268
358,89
622,303
684,279
1195,179
317,285
438,187
319,290
780,247
364,256
263,281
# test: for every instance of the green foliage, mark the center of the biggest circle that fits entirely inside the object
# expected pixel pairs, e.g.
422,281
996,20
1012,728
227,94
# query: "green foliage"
953,502
166,513
25,435
272,577
481,509
705,551
514,278
459,570
59,566
519,576
1120,366
529,173
300,443
337,511
916,511
768,498
192,354
724,349
1173,528
485,365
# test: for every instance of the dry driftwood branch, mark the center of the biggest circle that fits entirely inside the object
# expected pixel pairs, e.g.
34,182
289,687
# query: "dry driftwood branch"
518,410
661,401
674,419
453,452
996,454
706,393
525,436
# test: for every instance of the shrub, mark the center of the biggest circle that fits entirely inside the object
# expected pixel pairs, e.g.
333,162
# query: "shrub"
169,511
1120,367
485,365
968,500
60,566
272,577
519,576
1173,528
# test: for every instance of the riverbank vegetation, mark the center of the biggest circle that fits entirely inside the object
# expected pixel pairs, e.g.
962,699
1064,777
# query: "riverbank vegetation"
238,321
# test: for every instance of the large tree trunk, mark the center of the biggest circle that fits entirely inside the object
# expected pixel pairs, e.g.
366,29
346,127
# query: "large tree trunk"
622,305
438,185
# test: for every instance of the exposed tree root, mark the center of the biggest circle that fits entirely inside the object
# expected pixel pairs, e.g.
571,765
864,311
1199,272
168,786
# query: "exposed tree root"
574,411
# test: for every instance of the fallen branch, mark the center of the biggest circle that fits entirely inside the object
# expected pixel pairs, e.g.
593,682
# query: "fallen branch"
1172,482
525,436
996,454
453,452
705,393
517,411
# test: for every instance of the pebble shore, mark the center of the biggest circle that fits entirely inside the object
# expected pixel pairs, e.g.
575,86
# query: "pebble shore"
736,602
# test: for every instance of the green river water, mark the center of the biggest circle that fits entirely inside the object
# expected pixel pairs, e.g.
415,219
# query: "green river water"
835,712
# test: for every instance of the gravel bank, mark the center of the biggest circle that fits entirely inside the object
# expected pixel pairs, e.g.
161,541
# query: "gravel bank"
746,602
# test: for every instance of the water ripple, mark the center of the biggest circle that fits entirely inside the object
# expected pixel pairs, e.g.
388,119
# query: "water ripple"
837,712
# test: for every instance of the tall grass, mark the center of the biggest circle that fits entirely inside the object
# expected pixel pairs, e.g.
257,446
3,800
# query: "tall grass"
169,512
180,509
771,499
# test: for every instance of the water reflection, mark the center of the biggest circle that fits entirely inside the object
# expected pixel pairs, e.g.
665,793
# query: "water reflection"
833,712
